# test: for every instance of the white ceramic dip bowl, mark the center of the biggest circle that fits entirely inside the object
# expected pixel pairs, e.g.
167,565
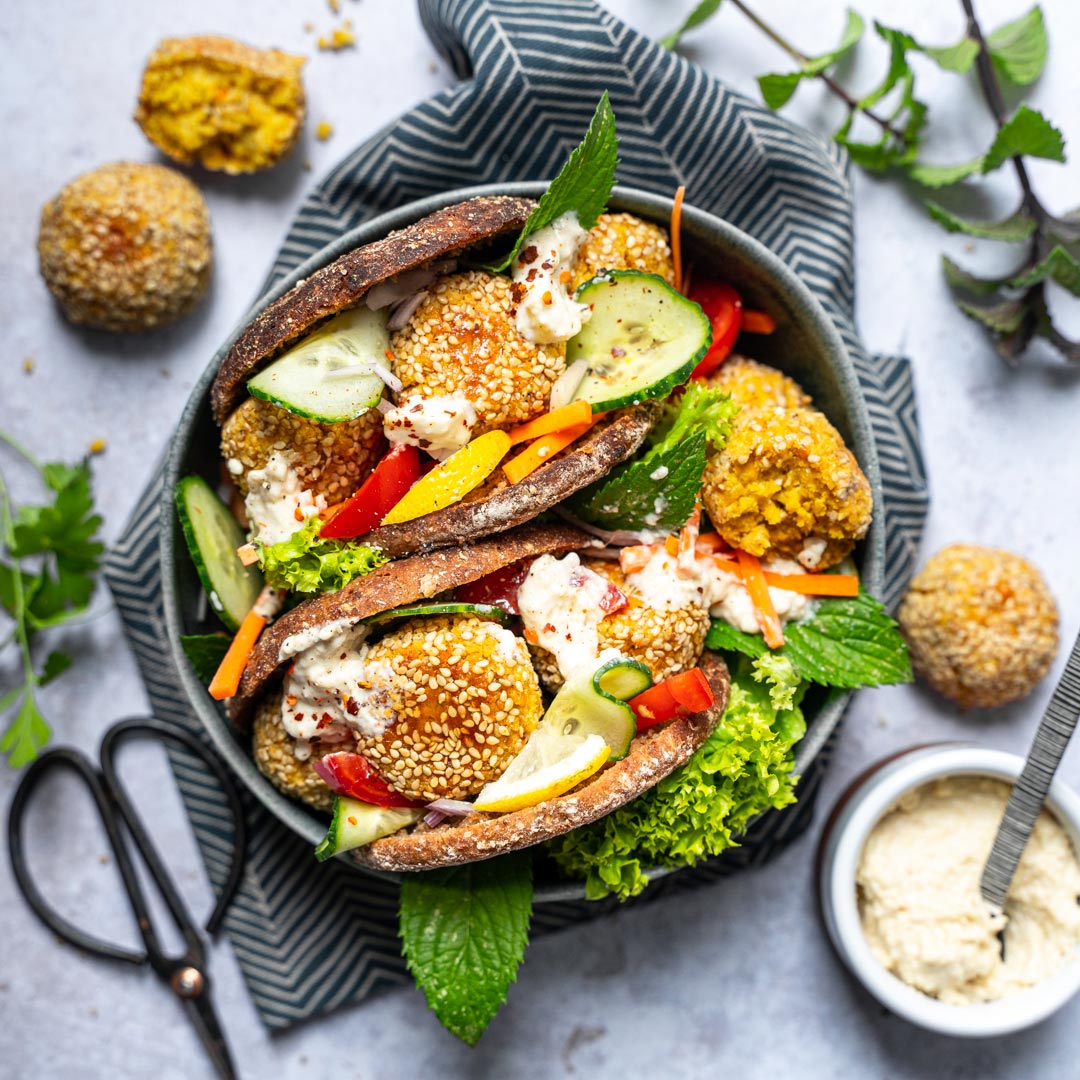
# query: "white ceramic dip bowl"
859,809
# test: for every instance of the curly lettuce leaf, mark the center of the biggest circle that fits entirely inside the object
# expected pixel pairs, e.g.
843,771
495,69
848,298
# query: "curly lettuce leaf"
700,408
743,769
778,673
306,563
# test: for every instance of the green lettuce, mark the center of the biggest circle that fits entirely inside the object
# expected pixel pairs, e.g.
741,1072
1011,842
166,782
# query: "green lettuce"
743,768
699,408
305,563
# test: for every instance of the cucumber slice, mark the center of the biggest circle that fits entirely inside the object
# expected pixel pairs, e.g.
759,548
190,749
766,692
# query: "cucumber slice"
484,611
314,379
357,823
212,536
594,704
642,340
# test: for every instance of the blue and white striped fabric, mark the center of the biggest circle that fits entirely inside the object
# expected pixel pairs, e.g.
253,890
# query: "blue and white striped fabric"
532,72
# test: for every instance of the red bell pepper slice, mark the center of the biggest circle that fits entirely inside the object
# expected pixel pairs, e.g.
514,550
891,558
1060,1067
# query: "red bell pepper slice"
723,306
349,773
376,496
679,695
499,588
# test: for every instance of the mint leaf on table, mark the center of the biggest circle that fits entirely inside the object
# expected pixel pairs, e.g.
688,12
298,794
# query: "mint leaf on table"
1018,49
1011,230
464,931
1028,132
205,651
701,13
583,184
1058,265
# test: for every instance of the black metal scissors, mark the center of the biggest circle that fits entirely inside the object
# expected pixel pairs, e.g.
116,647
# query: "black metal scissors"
185,974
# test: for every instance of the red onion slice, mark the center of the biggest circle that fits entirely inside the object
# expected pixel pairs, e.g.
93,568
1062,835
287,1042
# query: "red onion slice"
404,311
452,807
433,817
566,385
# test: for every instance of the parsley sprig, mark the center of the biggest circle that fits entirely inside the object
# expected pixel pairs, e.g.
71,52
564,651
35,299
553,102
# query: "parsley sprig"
49,556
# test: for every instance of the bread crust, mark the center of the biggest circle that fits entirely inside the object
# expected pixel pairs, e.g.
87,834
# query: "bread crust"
653,755
345,281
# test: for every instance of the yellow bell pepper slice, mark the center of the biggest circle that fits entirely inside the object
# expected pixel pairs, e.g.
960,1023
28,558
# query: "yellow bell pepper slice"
453,479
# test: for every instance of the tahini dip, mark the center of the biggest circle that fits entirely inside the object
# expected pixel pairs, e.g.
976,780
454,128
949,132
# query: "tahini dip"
924,917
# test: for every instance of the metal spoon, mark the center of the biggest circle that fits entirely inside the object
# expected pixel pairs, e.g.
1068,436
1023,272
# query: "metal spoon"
1028,794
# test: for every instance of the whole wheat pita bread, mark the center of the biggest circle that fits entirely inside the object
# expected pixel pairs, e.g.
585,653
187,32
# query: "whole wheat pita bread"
653,754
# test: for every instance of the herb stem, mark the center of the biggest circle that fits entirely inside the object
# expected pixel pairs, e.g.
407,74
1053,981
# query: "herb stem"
18,606
837,90
20,449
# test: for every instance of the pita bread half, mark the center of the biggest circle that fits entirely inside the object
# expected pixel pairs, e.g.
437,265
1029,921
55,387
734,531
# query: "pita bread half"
654,754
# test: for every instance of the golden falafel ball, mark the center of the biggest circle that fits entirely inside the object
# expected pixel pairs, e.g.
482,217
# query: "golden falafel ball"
462,699
668,640
981,625
224,104
462,341
331,459
785,484
126,247
274,750
751,384
624,242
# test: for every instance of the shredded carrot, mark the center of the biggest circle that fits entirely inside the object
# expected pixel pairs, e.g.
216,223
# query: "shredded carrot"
757,322
531,636
676,236
636,557
247,554
227,677
815,584
754,580
689,533
542,450
572,415
726,561
709,543
671,545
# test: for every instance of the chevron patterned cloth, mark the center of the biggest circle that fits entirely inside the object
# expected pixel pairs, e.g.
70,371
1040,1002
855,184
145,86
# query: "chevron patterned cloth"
531,71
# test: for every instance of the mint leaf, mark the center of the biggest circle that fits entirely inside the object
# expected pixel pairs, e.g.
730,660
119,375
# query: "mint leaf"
464,931
1058,266
205,651
584,183
27,733
658,491
848,643
937,176
1025,132
1012,230
1018,49
963,281
723,637
704,11
776,90
56,663
958,58
1002,315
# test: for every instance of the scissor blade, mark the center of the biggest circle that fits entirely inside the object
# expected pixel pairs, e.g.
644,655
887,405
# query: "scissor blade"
201,1013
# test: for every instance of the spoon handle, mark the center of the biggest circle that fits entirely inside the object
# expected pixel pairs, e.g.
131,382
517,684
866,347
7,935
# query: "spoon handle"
1029,792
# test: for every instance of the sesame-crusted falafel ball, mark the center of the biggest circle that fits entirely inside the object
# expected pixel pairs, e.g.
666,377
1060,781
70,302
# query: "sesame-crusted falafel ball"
668,640
126,247
330,459
463,699
462,341
785,484
274,750
624,242
981,625
751,384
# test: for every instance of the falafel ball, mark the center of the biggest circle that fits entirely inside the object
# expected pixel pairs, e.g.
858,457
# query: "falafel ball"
667,639
230,107
463,341
274,750
981,625
751,385
624,242
785,484
331,459
126,247
462,699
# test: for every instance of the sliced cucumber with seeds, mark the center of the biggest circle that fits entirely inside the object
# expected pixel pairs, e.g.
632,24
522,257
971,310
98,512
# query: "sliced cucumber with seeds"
484,611
212,536
328,375
642,340
356,823
594,703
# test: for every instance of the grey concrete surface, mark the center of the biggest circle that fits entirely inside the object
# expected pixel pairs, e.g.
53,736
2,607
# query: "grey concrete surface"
732,980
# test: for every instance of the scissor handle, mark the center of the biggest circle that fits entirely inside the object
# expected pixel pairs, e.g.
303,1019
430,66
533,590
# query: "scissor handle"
77,762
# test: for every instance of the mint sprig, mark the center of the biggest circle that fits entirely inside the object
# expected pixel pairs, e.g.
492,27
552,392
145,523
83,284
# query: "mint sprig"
583,184
464,931
205,651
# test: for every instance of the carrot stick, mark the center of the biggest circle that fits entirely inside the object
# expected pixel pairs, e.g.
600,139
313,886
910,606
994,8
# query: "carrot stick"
757,322
541,451
815,584
227,677
754,580
676,236
671,545
636,557
711,542
572,415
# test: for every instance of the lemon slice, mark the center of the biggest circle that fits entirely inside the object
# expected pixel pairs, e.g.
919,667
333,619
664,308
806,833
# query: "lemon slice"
550,764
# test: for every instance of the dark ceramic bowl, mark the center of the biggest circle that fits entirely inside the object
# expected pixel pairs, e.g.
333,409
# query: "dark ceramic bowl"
805,344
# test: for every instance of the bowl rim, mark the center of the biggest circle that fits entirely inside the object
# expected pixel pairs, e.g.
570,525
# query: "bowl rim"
300,819
876,792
